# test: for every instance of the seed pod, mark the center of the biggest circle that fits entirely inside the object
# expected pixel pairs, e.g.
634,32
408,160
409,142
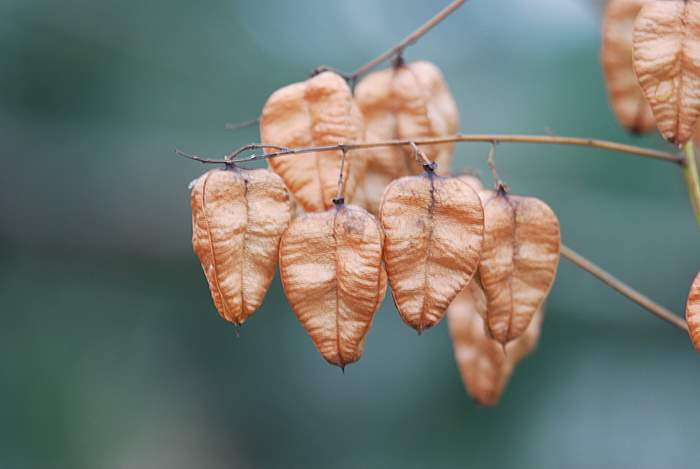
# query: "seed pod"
692,312
331,270
484,364
408,102
472,181
626,97
434,229
667,63
518,261
317,112
238,217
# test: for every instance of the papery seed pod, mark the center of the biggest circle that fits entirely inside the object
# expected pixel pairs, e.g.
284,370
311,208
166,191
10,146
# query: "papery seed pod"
667,63
471,180
238,217
433,230
484,364
519,260
626,97
317,112
408,102
692,312
332,273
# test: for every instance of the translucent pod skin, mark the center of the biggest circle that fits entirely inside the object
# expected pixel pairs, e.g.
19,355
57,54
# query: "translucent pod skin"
692,312
667,62
332,273
484,364
320,111
433,229
409,102
238,217
518,262
626,97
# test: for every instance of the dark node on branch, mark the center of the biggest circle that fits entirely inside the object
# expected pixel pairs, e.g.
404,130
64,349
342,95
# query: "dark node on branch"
338,201
398,61
430,166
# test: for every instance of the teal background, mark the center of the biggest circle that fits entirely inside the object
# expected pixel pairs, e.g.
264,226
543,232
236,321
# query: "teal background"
111,353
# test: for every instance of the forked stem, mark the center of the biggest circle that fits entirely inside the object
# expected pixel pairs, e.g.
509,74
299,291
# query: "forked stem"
622,288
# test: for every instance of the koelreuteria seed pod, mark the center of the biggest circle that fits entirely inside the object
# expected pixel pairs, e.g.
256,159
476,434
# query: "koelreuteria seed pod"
408,102
433,229
319,111
667,63
626,97
238,217
471,180
332,273
692,312
518,262
484,364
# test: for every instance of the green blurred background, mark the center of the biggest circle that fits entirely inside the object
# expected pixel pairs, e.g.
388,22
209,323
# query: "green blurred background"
112,354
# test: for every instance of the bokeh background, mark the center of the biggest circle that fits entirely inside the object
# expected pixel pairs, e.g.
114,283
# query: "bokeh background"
111,352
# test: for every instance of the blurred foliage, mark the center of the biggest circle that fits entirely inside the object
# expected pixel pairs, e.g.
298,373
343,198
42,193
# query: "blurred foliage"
112,353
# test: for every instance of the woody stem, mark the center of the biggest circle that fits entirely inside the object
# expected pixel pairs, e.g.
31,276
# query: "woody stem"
622,288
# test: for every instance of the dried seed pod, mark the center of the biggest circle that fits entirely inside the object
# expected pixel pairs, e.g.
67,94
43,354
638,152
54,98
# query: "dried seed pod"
408,102
238,217
626,97
331,271
484,364
667,63
434,229
319,111
692,312
471,180
519,260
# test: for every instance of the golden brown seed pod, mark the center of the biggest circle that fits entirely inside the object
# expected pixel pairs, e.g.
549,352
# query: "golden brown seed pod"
519,260
667,63
692,312
238,217
484,364
434,229
626,97
408,102
332,273
471,180
319,111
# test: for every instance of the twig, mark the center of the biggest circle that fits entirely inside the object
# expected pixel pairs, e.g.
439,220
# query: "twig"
542,139
422,159
339,196
242,125
500,186
398,49
692,179
623,288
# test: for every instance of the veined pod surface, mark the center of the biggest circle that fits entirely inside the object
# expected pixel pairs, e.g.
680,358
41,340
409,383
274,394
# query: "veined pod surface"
626,97
667,62
692,312
238,217
332,273
433,228
408,102
484,364
519,260
317,112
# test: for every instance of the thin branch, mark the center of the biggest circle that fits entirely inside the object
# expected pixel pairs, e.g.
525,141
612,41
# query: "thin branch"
541,139
339,195
621,287
398,49
692,179
500,186
242,125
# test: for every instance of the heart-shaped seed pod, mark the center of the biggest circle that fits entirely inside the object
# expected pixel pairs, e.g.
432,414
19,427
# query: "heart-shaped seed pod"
238,217
484,364
692,312
408,102
317,112
519,260
332,273
667,63
626,97
433,229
